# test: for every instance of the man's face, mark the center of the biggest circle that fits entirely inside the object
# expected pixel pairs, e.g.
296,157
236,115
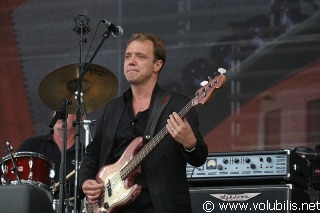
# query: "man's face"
70,119
139,65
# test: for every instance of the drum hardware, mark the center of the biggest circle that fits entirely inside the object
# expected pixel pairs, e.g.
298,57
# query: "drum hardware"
14,168
68,204
32,168
88,135
51,175
56,185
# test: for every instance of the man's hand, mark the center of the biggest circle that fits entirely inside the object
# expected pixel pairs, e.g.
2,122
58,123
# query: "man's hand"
92,189
181,131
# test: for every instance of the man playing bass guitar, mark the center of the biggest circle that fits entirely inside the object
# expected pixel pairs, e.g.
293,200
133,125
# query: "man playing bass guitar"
122,171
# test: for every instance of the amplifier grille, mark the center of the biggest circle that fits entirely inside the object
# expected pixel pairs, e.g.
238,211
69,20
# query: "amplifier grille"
253,198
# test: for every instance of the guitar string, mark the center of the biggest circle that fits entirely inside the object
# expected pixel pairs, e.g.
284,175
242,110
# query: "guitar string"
181,113
149,145
145,150
125,169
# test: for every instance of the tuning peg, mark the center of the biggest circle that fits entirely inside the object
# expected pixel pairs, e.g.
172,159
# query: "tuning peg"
222,71
203,83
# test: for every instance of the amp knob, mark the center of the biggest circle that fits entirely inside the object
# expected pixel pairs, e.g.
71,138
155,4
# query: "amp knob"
252,166
269,159
236,160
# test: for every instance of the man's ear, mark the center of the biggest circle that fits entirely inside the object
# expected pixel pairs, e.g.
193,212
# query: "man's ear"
158,65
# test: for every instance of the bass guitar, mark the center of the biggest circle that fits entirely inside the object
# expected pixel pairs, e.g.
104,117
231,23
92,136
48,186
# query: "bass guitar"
118,178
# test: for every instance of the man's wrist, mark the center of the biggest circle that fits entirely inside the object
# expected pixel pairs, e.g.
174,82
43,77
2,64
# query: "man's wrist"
189,150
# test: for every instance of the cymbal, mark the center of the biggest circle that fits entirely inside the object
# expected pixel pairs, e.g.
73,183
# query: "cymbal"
99,86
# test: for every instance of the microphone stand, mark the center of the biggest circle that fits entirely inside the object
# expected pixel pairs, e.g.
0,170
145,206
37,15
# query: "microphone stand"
86,127
62,110
81,27
62,113
14,166
83,69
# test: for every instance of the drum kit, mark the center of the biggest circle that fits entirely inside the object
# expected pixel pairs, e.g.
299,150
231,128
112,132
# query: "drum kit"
99,86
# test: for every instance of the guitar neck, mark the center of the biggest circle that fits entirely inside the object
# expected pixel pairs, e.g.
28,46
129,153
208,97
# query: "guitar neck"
203,95
138,158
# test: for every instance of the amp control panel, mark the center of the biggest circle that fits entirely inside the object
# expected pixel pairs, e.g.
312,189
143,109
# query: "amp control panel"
281,164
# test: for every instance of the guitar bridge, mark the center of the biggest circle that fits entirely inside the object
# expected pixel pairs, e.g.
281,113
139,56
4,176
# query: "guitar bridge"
106,205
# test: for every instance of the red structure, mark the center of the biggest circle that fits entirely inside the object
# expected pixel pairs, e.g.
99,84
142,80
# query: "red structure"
284,116
15,114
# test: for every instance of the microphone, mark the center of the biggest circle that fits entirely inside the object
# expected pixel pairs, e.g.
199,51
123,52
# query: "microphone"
10,148
115,30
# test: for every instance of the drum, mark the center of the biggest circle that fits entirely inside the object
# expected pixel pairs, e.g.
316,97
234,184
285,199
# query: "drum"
33,168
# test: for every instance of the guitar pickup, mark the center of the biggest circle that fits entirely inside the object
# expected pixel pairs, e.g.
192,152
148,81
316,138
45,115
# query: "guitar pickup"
109,188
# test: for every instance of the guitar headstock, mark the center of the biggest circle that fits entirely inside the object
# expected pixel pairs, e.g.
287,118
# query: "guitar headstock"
205,93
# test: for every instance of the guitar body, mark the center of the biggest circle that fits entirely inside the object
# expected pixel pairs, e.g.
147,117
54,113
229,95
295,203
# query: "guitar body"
118,193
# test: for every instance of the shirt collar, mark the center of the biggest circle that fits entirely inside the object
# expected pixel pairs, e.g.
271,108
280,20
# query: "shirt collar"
128,94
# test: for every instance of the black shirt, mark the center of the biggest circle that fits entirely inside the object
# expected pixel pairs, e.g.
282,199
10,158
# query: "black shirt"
129,128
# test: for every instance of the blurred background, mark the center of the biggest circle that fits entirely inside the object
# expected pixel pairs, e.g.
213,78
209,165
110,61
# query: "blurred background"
270,49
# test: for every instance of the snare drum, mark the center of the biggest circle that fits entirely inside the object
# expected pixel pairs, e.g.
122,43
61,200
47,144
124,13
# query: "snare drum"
33,168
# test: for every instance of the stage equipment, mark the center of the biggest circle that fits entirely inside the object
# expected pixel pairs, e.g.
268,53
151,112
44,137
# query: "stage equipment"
313,158
25,198
115,30
32,168
250,198
77,89
99,86
14,169
267,167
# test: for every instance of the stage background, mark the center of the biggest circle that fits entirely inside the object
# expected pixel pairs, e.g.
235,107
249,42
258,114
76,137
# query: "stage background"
270,48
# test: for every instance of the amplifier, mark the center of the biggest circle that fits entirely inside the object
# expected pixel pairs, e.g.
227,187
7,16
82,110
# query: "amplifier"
250,198
280,166
25,198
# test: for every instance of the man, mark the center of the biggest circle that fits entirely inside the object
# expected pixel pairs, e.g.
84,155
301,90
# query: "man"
163,182
50,145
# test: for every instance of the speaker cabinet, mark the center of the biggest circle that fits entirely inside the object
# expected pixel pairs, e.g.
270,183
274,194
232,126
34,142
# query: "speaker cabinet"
25,198
251,198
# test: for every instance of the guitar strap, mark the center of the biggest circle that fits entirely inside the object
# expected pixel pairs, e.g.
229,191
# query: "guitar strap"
161,100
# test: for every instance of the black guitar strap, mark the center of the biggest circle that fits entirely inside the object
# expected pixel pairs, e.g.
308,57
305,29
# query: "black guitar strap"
160,102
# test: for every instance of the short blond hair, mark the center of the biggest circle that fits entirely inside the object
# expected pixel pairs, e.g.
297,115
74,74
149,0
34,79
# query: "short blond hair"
159,47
